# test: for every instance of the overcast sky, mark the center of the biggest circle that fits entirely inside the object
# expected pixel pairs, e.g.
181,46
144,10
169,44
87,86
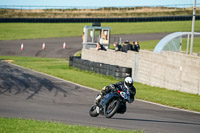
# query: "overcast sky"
95,2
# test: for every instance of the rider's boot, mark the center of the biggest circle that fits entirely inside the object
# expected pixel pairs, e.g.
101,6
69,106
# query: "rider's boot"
98,98
100,95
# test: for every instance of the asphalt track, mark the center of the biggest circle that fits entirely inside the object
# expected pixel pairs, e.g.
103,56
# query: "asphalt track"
33,47
29,94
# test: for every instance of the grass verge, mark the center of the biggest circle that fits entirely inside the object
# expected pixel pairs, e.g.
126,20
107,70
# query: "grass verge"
16,31
16,125
60,68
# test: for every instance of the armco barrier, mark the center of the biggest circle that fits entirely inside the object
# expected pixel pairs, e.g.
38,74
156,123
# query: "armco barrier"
89,20
97,67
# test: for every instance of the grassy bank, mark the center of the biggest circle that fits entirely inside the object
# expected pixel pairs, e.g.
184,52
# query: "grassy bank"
17,31
60,68
105,12
15,125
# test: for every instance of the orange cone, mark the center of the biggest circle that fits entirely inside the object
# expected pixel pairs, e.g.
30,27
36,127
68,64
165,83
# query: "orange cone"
43,46
22,46
64,45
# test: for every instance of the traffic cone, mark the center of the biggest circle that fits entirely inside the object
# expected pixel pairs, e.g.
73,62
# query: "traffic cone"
64,45
43,46
22,46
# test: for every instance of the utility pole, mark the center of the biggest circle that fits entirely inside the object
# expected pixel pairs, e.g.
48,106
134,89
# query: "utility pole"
193,22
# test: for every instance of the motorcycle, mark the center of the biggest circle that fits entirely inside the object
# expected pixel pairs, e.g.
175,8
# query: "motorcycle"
111,103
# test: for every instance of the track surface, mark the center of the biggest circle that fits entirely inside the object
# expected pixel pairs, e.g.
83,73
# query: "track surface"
27,94
33,47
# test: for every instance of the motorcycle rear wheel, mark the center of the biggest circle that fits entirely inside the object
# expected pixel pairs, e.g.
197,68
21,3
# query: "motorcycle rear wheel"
93,111
111,108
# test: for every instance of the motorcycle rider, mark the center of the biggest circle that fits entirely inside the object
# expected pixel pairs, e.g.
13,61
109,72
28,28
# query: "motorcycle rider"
123,85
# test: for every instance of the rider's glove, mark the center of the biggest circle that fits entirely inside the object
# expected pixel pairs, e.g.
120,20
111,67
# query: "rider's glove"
112,86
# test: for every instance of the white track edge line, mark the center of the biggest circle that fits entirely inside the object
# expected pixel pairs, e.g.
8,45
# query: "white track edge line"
99,91
166,106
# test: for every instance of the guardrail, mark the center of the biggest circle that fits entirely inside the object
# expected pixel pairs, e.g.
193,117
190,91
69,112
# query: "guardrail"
86,20
101,68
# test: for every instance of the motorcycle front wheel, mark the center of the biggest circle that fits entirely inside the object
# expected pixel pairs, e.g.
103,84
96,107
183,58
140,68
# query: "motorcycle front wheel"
93,111
111,108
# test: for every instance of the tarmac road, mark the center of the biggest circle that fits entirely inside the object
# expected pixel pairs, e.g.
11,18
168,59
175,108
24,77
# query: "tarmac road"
28,94
33,47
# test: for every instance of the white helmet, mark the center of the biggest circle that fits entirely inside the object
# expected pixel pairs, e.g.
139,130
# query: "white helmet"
128,82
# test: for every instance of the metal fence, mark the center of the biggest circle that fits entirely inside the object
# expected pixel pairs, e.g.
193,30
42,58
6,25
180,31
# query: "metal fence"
31,7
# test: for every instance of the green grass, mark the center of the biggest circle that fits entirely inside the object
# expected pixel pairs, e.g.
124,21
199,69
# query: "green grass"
196,45
16,31
168,97
60,68
16,125
151,27
150,45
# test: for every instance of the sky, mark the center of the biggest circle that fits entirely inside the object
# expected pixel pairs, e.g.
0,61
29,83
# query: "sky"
97,3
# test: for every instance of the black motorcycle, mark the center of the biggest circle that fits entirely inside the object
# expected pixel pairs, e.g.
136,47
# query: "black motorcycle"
111,103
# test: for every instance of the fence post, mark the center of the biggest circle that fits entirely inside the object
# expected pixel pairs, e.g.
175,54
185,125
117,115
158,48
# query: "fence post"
199,80
188,43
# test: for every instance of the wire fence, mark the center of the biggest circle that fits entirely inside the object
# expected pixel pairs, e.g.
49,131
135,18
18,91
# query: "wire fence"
31,7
